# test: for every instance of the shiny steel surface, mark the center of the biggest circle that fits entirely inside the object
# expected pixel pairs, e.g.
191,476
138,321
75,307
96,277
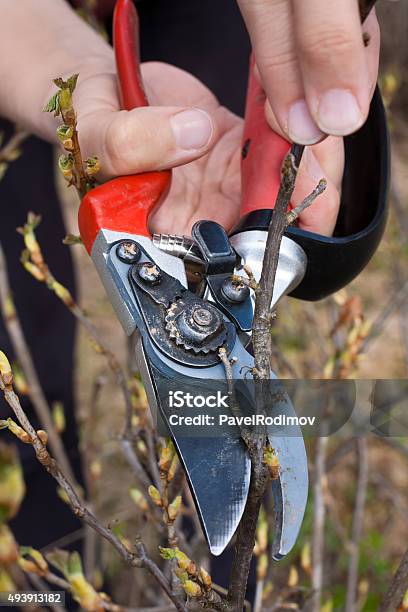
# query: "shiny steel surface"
217,468
250,245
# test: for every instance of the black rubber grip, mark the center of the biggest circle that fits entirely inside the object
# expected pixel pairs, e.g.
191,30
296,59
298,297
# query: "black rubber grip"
335,261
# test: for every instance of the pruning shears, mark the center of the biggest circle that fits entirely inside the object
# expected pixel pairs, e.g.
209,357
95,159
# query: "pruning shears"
177,297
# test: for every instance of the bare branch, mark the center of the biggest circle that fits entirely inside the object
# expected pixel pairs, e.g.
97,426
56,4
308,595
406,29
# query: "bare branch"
398,587
318,520
261,336
134,559
8,152
357,526
23,354
262,344
395,302
308,201
33,261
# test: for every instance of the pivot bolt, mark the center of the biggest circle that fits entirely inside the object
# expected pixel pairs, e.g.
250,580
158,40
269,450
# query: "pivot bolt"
128,251
202,317
150,273
234,291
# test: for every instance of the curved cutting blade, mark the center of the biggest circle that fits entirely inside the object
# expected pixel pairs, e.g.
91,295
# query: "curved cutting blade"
218,470
217,467
290,490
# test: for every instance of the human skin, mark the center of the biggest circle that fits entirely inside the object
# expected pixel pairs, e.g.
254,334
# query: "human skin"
185,127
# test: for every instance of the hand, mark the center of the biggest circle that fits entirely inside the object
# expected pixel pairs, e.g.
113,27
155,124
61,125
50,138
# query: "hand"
209,186
318,74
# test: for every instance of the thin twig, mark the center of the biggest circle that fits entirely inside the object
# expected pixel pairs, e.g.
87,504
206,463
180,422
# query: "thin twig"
308,201
134,559
262,345
7,152
151,442
357,525
23,354
105,350
41,586
133,461
258,595
34,262
245,541
261,336
395,302
318,520
398,587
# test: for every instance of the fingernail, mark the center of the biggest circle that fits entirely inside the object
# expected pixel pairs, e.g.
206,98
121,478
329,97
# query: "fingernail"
301,127
339,113
192,129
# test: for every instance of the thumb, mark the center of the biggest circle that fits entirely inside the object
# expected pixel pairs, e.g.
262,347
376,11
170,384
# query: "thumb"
145,139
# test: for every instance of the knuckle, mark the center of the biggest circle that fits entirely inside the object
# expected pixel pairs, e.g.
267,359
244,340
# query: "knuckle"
280,59
326,44
125,142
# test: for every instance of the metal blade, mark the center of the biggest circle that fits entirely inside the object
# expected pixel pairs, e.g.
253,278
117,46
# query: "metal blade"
290,490
218,470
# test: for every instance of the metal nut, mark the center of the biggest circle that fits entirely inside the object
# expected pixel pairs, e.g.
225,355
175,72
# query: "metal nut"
202,316
150,273
128,251
234,291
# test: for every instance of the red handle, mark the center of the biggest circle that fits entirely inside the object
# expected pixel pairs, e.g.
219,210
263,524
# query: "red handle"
125,203
263,152
126,44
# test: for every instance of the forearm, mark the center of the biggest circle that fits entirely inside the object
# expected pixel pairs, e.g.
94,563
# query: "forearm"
41,40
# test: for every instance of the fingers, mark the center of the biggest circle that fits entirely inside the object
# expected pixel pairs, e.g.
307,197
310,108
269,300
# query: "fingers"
333,63
324,160
270,24
316,71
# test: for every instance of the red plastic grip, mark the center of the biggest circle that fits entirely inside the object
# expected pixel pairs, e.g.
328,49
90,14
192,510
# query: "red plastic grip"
263,152
125,203
121,205
126,44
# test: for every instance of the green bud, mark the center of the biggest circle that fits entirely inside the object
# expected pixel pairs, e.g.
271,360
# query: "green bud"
191,588
64,132
65,100
66,164
5,369
174,508
155,495
167,553
93,165
205,578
